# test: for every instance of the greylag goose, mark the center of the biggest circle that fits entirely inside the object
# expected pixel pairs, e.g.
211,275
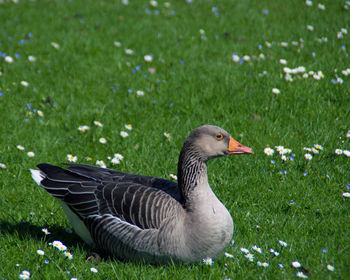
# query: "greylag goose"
135,217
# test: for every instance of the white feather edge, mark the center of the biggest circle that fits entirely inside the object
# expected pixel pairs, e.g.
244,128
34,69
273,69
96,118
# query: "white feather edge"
77,224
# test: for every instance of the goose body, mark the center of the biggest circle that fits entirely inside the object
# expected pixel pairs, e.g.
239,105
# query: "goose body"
135,217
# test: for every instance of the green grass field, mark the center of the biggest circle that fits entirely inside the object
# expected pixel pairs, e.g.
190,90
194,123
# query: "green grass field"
65,64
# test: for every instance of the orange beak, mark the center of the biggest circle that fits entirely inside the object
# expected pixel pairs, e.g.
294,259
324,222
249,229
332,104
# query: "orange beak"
236,148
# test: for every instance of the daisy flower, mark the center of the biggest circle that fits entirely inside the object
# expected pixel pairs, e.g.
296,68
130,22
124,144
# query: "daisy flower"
308,3
296,264
268,151
315,151
318,147
338,151
246,58
235,58
274,252
97,123
330,267
308,156
118,156
228,255
115,161
32,58
244,250
208,261
167,135
101,163
281,265
153,3
24,83
40,252
30,154
275,91
348,134
148,58
93,269
83,128
40,113
124,134
263,264
19,147
102,140
55,45
8,59
310,27
24,275
346,194
117,44
2,165
257,249
129,51
140,93
283,61
72,158
68,255
173,176
128,126
46,231
282,243
250,257
301,274
346,153
321,6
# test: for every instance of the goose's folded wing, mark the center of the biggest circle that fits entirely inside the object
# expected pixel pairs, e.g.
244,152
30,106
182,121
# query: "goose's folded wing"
105,174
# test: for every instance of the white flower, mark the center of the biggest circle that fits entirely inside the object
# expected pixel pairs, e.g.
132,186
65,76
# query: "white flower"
263,264
148,58
32,58
319,147
124,2
68,255
167,135
24,83
246,58
102,140
2,165
124,134
97,123
296,264
72,158
8,59
346,194
348,134
140,93
268,151
19,147
315,151
330,267
93,269
244,250
30,154
228,255
173,176
117,44
46,231
346,153
129,51
40,113
308,156
40,252
310,27
284,44
321,6
300,274
153,3
284,158
274,252
235,58
308,3
338,151
283,61
275,91
128,126
208,261
101,163
118,156
282,243
257,249
250,257
115,161
55,45
83,128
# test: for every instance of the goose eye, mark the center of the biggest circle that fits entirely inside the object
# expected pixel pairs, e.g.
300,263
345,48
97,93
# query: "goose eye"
219,136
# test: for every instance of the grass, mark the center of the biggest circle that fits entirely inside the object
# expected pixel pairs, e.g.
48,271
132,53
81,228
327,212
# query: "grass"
195,82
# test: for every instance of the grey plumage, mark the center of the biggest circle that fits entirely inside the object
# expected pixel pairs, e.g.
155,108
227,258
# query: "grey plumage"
147,218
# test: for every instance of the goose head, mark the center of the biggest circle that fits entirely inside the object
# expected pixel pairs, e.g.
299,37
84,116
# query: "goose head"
212,141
